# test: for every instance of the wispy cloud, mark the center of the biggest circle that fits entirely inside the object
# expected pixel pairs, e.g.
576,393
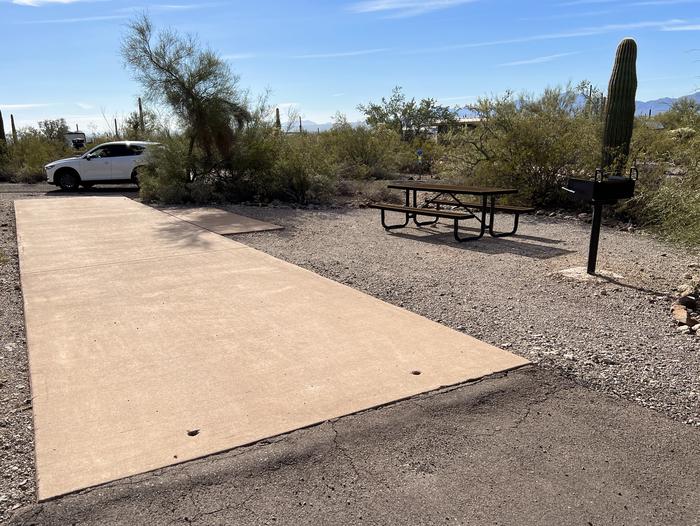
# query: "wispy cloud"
687,27
663,2
588,2
562,16
169,7
405,8
239,56
23,106
39,3
75,20
341,54
538,60
583,32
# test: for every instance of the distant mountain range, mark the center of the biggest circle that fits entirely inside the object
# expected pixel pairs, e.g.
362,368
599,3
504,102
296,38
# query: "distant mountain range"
656,106
661,105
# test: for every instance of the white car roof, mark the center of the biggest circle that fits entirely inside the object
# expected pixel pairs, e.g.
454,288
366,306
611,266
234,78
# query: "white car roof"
128,143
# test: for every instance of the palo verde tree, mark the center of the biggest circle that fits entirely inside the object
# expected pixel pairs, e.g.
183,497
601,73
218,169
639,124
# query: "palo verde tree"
194,82
54,129
409,118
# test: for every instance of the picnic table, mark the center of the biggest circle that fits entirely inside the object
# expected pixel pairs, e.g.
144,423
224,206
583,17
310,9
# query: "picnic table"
440,195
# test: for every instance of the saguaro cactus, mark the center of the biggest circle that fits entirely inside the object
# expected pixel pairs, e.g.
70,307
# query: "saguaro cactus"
278,121
619,109
14,129
3,139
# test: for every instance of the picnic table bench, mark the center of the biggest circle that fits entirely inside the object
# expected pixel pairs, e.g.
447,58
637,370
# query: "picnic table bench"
450,195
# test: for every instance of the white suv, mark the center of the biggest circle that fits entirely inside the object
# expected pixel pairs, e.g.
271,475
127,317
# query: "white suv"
111,163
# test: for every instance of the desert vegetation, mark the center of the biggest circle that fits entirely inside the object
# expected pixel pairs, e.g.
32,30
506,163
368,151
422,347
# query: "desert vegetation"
220,143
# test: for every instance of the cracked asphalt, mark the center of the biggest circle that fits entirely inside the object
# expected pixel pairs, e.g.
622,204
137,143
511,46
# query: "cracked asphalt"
529,447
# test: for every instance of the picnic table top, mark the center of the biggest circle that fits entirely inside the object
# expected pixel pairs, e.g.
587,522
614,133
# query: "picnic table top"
451,188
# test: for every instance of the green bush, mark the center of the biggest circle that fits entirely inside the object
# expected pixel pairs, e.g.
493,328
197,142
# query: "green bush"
266,165
31,153
532,144
165,177
674,210
361,152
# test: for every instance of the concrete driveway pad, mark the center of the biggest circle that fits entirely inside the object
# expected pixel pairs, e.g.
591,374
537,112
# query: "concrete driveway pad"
152,341
220,221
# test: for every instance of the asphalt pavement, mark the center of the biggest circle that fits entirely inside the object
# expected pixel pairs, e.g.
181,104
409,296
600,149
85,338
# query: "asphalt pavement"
529,447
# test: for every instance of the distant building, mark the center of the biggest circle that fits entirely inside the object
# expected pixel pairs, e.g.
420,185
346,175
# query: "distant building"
75,140
461,123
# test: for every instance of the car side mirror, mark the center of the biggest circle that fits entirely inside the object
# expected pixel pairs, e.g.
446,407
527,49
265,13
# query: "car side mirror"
88,156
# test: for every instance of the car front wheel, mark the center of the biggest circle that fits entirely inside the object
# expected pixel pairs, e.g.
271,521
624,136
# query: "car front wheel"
69,181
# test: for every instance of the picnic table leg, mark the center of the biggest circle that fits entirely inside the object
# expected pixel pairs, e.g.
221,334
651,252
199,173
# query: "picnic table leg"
415,216
492,232
392,227
484,206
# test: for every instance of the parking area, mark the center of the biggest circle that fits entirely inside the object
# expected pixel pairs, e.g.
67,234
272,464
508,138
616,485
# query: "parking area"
152,341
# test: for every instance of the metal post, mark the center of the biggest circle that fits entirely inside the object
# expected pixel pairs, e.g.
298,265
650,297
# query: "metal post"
116,129
300,128
595,236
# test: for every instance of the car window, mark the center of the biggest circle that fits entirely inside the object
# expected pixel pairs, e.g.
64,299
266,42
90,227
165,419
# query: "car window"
119,150
136,149
98,152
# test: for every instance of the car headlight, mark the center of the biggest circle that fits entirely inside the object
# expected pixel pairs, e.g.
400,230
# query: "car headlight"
49,166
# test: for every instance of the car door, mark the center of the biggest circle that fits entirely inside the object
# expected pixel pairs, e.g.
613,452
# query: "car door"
123,159
96,165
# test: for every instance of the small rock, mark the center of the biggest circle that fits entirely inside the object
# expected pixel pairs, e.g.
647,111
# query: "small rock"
685,289
684,329
695,328
681,315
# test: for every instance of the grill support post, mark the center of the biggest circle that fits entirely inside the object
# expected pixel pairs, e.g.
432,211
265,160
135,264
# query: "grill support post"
595,236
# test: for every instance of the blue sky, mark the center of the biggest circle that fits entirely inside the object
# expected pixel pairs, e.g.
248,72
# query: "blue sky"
60,57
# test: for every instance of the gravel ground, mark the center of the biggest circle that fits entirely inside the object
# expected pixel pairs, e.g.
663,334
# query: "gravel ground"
612,335
16,429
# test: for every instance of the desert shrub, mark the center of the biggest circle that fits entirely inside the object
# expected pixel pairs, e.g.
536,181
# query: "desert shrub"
303,172
253,175
266,165
530,143
165,178
32,151
667,197
360,152
4,162
410,163
674,209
